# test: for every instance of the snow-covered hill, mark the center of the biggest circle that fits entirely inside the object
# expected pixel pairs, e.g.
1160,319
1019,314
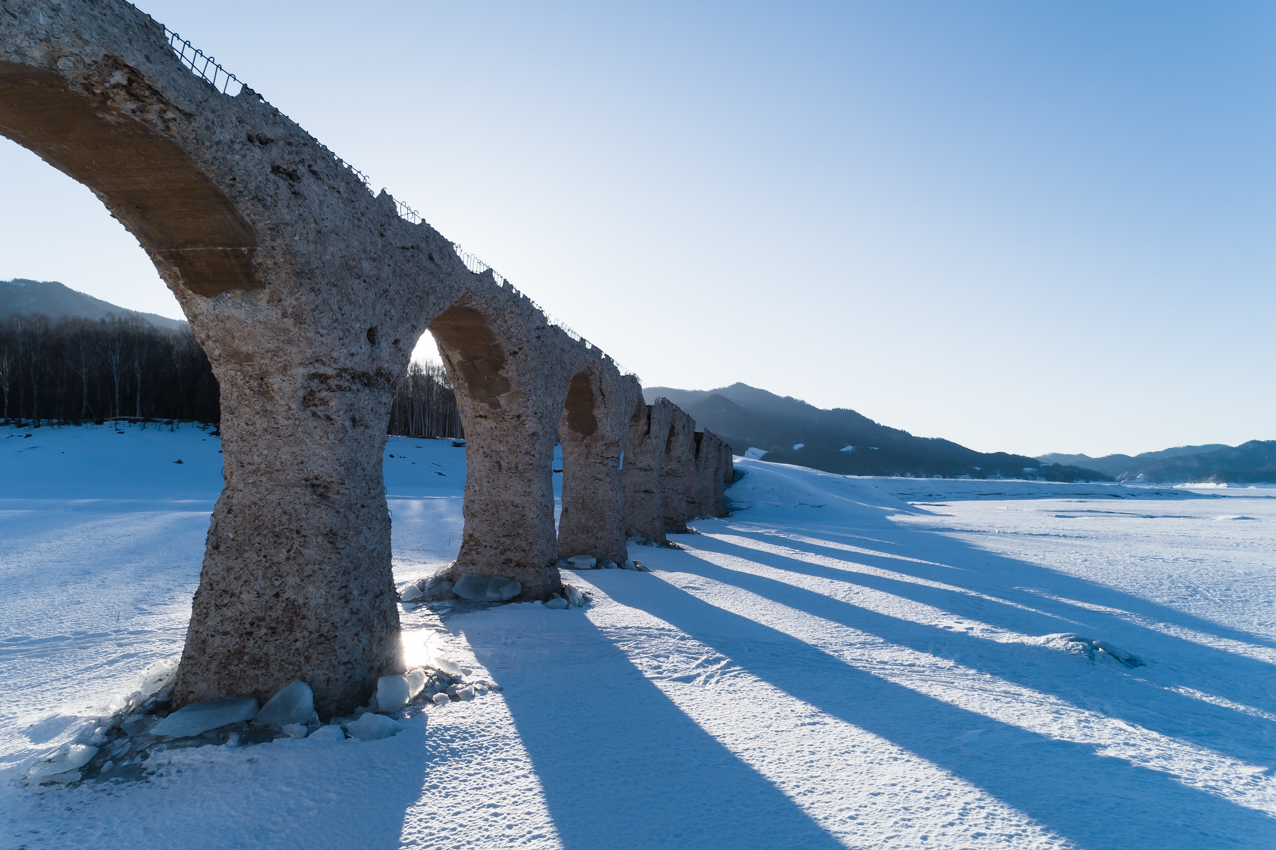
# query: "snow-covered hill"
830,666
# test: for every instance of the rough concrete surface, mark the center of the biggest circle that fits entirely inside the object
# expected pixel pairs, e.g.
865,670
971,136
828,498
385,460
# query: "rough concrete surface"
644,460
678,460
594,429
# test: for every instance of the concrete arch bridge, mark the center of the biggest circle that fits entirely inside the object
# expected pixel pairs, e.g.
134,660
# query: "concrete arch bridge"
309,292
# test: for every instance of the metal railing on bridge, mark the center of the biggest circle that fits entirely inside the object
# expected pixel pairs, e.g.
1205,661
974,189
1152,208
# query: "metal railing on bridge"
208,69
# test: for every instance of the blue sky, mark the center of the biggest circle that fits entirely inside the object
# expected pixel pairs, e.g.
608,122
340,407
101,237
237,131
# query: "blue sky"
1026,227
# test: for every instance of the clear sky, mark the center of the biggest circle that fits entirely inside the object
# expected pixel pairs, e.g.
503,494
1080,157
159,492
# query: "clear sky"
1025,227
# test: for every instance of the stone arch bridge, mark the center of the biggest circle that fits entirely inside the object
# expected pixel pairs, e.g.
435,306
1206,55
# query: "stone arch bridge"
309,292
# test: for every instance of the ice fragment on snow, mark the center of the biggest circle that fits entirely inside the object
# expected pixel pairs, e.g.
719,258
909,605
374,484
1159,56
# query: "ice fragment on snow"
232,740
393,694
327,733
630,565
574,596
410,593
64,759
199,717
416,681
293,704
466,694
1119,654
583,562
137,725
294,730
440,698
157,677
609,565
487,588
558,603
73,776
374,727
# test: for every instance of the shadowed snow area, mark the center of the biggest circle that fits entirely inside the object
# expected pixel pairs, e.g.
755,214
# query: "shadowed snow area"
1008,665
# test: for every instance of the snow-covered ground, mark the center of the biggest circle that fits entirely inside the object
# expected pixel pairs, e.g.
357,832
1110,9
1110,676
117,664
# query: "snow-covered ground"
831,666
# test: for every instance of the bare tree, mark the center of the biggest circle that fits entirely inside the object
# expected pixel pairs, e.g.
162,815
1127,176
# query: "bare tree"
141,351
8,366
33,334
111,345
81,350
425,404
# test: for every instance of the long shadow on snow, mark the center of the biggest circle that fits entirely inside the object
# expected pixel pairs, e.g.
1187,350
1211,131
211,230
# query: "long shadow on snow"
1035,667
999,575
993,576
1009,570
622,766
1097,802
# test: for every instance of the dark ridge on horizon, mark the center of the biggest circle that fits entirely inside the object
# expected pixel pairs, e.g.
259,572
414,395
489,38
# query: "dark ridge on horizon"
23,297
1253,462
845,442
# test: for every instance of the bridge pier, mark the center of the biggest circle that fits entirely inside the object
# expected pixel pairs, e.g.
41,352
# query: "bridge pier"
296,581
510,411
641,478
709,451
674,479
593,430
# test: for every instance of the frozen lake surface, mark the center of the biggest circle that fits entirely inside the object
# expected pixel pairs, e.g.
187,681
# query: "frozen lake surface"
843,662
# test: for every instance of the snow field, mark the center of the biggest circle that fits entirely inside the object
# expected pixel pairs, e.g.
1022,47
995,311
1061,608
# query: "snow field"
830,666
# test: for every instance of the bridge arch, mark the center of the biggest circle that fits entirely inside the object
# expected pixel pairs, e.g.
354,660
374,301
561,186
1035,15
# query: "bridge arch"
305,290
193,233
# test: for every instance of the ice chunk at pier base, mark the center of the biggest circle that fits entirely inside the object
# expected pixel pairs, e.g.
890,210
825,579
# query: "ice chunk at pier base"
373,727
395,692
487,588
293,704
66,759
199,717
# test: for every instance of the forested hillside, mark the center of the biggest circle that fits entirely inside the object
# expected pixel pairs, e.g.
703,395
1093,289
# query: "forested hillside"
71,370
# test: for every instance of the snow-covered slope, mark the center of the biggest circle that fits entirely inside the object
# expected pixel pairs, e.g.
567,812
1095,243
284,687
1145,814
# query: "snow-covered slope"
831,666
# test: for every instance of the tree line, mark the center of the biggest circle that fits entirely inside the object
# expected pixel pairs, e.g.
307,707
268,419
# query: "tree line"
73,370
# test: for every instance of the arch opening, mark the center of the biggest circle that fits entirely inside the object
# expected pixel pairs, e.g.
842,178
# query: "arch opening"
183,220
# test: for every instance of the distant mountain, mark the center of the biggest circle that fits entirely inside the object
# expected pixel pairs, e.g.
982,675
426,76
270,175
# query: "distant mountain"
1250,463
843,441
56,300
1121,465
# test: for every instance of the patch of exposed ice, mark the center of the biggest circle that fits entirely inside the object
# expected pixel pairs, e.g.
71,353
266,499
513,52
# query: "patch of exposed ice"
487,588
200,717
65,759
